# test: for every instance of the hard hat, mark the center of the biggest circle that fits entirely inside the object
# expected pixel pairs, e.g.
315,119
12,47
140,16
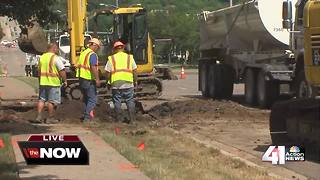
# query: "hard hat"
118,43
95,41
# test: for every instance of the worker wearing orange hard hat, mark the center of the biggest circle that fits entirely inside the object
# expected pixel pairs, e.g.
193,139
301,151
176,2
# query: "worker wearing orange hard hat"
121,73
89,77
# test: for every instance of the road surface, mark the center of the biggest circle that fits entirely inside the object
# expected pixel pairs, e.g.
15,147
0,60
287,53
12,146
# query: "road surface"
14,59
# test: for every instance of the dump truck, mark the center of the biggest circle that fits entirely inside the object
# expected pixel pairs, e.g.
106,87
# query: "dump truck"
297,121
246,44
128,24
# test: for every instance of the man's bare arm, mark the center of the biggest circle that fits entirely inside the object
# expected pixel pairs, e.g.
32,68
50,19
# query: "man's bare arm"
63,76
135,77
108,76
95,72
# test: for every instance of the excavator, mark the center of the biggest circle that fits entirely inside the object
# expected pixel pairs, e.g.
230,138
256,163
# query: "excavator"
297,121
128,24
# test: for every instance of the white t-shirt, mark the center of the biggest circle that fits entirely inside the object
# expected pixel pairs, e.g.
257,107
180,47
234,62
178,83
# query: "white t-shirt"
59,64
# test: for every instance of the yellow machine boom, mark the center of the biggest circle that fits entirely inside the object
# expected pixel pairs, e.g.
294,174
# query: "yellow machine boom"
297,121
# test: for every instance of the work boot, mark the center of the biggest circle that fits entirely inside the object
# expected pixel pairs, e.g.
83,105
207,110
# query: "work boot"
132,115
51,120
38,119
118,116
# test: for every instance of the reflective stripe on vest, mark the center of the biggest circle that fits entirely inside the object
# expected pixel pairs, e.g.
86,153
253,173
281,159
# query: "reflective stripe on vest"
49,74
121,67
83,70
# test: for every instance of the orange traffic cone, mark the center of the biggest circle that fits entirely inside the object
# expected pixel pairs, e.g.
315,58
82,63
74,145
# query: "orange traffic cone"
141,146
1,143
182,75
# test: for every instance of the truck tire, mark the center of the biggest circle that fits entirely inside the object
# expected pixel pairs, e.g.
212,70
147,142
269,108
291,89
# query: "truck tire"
213,83
227,81
250,87
203,76
267,91
221,78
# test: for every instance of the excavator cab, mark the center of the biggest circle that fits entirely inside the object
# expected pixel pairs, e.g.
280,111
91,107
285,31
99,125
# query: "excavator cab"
129,25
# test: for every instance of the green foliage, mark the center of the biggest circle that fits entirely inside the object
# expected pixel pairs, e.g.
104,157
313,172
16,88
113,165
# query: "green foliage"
24,10
177,20
173,19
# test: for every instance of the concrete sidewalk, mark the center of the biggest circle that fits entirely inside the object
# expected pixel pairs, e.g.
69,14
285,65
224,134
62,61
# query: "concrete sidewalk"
105,162
11,88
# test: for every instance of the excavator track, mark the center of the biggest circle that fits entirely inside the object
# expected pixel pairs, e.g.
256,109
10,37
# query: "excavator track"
147,88
297,121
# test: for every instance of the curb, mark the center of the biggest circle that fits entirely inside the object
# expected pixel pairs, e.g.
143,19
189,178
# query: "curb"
249,159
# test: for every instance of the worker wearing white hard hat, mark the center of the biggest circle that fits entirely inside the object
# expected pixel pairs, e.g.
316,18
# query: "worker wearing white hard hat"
89,80
95,41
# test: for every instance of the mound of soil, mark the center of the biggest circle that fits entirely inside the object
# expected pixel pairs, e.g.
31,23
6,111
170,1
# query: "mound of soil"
204,109
13,122
70,111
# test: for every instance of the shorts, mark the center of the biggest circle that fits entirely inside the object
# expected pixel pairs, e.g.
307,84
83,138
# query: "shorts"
50,94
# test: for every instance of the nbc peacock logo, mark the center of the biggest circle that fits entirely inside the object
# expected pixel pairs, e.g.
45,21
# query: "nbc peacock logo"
294,149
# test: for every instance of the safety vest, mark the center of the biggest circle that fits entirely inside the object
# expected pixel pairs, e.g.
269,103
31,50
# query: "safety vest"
121,67
49,74
83,70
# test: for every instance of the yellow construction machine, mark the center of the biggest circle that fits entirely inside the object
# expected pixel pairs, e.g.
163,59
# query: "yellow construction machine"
128,24
297,121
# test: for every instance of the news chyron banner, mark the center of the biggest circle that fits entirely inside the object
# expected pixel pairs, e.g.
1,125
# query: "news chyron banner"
281,154
54,150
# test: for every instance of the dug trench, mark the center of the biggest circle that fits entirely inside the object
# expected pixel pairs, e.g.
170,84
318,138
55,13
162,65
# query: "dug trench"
227,122
224,121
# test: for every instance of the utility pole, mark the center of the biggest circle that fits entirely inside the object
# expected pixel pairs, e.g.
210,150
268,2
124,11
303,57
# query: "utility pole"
230,3
117,3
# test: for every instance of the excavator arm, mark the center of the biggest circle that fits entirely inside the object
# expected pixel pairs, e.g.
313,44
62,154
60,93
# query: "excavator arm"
33,40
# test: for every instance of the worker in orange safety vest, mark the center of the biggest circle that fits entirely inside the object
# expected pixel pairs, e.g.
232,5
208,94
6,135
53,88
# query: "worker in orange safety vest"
121,73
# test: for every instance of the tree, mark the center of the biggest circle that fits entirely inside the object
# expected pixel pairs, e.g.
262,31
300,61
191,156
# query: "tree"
25,10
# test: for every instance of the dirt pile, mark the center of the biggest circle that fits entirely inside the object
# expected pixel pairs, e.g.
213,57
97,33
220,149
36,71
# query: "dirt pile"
73,111
199,110
70,111
13,122
7,116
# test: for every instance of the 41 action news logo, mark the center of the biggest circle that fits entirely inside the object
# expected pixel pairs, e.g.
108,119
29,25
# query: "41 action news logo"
54,150
280,154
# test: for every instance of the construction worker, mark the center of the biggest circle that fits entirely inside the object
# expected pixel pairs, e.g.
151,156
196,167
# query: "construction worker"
51,71
89,77
121,74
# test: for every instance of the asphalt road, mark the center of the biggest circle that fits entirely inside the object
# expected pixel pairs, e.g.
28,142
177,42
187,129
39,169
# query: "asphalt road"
14,59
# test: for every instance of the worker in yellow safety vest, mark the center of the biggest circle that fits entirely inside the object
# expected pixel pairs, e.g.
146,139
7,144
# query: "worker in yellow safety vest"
122,75
51,76
89,77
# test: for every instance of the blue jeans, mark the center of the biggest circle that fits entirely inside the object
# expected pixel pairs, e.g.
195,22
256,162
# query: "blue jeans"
50,94
89,91
127,96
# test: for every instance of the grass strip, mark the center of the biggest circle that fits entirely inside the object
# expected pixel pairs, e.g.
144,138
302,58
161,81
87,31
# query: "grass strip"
8,167
171,156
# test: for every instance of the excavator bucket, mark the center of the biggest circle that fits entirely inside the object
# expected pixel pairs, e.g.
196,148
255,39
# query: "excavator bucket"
33,40
297,122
